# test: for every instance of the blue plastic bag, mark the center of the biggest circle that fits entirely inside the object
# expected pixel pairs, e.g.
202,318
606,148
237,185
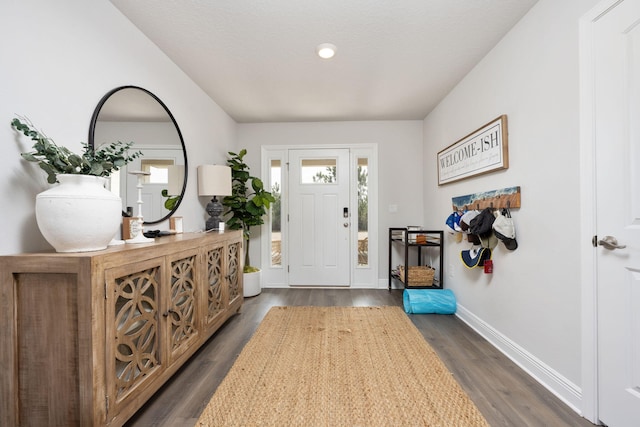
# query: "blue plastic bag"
429,301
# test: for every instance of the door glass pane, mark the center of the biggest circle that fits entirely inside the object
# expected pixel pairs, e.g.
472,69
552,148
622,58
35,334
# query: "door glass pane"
157,168
318,171
363,212
276,215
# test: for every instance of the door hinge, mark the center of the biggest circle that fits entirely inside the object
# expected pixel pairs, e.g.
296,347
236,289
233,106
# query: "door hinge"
106,404
288,268
105,289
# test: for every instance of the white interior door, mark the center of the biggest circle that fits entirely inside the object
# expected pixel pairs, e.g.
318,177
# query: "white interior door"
319,226
617,133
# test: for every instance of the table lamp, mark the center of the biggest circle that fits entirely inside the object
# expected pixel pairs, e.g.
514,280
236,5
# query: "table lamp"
214,180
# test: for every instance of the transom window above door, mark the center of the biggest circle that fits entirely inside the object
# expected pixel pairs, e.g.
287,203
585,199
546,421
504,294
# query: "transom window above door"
318,171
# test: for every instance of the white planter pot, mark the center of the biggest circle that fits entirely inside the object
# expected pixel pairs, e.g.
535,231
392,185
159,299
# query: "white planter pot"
252,283
79,214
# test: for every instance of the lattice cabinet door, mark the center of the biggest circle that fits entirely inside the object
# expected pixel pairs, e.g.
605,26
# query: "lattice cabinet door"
181,314
133,329
233,272
217,299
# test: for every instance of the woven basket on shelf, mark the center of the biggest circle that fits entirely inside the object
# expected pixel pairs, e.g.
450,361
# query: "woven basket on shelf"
418,275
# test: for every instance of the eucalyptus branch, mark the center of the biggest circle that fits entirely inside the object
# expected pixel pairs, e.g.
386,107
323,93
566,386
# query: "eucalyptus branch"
55,159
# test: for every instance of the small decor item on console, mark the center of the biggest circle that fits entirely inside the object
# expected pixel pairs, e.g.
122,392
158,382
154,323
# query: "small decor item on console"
137,231
128,222
158,233
175,224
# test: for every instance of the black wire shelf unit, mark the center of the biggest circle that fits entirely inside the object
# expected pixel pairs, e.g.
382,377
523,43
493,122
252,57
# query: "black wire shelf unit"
412,245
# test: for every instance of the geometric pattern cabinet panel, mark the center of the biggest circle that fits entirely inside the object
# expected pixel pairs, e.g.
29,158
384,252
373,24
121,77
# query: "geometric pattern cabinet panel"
133,322
234,271
223,279
217,298
181,315
118,324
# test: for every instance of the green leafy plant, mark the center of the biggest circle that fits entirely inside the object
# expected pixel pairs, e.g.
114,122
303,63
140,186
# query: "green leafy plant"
171,201
54,159
248,202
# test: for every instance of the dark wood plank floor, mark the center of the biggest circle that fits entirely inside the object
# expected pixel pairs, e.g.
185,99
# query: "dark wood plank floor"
503,392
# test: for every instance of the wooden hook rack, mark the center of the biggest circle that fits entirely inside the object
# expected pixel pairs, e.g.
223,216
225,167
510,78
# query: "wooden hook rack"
495,199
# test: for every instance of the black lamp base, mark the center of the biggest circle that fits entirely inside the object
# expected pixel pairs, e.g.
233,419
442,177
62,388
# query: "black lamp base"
214,209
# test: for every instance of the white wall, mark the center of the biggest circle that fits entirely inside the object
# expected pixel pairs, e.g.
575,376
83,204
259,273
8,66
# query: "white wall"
530,305
58,59
399,158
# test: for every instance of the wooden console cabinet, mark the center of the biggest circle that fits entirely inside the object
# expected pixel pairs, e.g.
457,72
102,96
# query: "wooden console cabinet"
87,338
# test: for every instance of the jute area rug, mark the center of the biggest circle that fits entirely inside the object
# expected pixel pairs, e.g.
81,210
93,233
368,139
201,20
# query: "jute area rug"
339,366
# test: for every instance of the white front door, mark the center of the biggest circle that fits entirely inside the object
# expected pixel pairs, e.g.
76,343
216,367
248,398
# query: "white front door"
154,161
319,217
617,139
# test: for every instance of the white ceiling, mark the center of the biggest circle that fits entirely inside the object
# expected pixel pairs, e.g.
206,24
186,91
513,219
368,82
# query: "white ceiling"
256,58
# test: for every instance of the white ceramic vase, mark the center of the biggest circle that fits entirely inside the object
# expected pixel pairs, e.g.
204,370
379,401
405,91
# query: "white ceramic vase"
252,283
79,214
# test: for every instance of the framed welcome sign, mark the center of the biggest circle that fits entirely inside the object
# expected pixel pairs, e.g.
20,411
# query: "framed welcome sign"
482,151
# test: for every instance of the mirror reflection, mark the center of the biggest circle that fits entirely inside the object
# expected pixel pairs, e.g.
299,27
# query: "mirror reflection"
131,113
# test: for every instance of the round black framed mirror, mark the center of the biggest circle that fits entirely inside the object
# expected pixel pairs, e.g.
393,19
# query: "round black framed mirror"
132,113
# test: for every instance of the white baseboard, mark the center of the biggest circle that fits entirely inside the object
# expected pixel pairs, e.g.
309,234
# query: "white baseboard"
560,386
384,284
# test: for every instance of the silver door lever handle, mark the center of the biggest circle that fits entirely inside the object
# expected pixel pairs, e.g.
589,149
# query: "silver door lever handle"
610,242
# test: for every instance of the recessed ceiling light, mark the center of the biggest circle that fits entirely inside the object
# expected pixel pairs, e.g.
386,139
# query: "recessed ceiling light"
326,50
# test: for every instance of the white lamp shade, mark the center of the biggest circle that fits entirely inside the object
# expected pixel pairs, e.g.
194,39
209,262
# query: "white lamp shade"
214,180
175,179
